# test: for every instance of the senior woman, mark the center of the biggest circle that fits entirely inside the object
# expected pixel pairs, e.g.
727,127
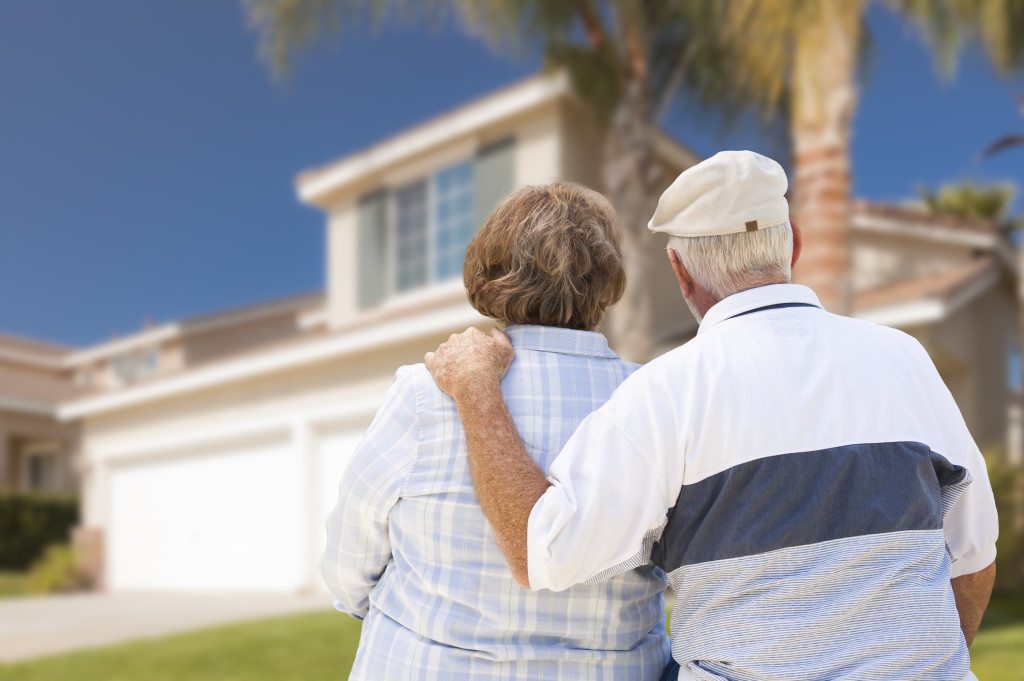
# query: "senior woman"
409,549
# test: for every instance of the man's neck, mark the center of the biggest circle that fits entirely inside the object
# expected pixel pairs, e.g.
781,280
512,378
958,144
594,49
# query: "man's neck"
704,300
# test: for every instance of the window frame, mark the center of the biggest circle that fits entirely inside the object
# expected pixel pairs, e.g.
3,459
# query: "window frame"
432,229
46,452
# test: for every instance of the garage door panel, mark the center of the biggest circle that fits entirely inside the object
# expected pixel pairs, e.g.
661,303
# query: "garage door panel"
334,449
224,519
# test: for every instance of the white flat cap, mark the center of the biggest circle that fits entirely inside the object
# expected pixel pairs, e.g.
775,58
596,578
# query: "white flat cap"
733,191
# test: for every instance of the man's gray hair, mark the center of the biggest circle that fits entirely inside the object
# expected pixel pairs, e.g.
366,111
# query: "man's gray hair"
731,263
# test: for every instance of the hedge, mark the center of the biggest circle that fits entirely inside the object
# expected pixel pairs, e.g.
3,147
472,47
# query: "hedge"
31,522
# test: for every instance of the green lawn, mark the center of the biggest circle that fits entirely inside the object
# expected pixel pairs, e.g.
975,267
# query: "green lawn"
13,584
302,648
322,646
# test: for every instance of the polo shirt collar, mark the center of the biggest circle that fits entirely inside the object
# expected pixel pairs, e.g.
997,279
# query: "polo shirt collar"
556,339
752,299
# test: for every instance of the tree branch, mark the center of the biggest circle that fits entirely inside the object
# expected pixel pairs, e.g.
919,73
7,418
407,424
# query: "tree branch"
596,36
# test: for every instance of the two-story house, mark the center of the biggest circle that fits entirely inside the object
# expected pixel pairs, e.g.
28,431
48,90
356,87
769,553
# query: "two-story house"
209,450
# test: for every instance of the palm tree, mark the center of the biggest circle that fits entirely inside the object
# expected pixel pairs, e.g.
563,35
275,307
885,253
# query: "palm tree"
992,202
803,56
789,60
1007,141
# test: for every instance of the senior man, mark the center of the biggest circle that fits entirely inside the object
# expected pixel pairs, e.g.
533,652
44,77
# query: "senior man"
805,479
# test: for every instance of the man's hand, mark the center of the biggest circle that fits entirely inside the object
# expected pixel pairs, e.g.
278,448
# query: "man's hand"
508,482
470,361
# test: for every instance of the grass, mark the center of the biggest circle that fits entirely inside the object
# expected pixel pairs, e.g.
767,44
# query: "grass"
13,584
302,648
323,645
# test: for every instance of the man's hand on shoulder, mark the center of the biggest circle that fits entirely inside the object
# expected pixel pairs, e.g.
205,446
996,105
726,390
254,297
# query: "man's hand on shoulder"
469,367
470,361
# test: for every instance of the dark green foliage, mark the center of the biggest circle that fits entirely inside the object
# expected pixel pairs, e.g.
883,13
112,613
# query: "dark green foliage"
1008,487
29,523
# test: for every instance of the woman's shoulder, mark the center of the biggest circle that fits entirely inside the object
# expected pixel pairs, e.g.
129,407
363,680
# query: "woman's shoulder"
416,379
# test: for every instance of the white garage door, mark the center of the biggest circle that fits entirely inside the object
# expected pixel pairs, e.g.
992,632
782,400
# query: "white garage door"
334,450
224,519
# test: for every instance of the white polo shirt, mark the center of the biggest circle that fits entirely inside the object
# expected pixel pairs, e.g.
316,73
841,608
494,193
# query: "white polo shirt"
805,479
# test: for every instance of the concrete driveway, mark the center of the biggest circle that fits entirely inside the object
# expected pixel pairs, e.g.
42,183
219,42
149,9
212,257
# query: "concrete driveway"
35,627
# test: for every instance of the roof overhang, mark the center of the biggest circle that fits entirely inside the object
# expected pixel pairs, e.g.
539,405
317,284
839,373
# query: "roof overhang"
935,307
172,330
26,406
316,186
304,354
924,230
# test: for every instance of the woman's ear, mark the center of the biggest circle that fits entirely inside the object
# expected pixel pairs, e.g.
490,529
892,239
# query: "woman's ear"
682,276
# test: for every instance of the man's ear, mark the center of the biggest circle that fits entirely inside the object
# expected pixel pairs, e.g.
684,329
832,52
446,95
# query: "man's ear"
682,276
798,241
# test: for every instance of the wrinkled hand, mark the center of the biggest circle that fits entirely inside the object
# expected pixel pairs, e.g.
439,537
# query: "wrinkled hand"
470,361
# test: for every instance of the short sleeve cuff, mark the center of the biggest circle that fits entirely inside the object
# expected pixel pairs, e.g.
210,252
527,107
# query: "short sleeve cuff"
969,564
538,553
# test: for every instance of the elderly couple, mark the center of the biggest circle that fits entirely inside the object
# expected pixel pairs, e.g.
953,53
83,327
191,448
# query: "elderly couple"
802,481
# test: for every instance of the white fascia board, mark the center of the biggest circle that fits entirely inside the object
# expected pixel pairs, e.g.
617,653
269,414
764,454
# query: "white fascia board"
317,350
315,186
924,230
24,406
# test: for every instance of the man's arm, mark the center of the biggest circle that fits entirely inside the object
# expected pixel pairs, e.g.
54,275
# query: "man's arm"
508,483
605,496
972,592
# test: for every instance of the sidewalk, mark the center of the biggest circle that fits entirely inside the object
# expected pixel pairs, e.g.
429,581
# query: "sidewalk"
35,627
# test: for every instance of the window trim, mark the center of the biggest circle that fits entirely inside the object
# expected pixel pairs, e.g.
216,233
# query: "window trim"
48,449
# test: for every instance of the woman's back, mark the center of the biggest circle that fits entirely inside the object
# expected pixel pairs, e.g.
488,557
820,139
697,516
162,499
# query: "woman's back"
447,605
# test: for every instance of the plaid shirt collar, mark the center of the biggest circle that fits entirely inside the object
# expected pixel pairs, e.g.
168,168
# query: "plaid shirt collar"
562,341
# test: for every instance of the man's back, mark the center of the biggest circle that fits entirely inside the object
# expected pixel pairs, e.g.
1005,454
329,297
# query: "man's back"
447,607
808,540
815,471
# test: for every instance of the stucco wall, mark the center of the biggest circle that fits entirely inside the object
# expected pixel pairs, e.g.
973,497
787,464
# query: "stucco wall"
971,349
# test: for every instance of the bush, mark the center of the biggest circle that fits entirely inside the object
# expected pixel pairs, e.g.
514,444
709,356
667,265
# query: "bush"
1008,488
31,522
58,571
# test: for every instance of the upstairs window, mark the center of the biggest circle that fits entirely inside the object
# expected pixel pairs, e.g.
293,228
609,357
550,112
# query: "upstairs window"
416,234
135,366
411,225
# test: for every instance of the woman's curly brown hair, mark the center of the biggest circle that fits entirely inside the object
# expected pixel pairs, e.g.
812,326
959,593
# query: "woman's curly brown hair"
548,254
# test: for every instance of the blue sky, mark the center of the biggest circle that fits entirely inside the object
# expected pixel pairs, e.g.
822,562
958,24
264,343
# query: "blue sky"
147,157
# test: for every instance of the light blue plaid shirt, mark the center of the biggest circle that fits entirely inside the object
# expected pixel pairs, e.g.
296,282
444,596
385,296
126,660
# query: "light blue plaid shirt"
409,549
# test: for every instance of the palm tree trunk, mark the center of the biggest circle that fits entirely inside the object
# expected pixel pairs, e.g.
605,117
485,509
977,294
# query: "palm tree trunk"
630,170
825,97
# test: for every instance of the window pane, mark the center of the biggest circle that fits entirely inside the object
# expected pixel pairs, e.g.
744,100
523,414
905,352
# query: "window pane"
411,235
454,217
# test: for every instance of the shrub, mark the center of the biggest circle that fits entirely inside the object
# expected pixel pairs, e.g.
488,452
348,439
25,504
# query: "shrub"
31,522
58,571
1008,488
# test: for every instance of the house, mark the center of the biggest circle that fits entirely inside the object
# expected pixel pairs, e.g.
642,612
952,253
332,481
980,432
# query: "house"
36,450
209,450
